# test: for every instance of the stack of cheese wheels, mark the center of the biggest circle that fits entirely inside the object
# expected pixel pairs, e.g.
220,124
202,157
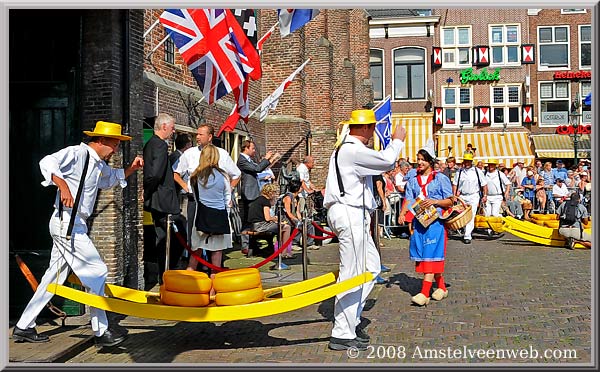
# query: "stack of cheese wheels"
185,288
238,287
541,219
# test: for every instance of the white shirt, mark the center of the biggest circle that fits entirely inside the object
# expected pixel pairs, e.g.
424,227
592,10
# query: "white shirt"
469,183
357,163
190,159
520,173
493,182
68,164
304,175
560,191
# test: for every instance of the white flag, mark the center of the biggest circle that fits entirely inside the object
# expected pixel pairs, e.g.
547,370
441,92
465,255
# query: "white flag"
271,102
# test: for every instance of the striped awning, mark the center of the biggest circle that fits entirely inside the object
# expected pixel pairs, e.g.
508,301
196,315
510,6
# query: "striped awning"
507,147
561,146
419,128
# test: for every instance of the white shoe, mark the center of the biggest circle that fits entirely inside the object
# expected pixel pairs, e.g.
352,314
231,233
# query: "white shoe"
313,247
420,299
296,248
439,294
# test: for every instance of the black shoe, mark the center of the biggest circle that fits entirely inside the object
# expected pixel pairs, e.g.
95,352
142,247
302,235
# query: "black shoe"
345,344
467,241
362,336
109,338
28,335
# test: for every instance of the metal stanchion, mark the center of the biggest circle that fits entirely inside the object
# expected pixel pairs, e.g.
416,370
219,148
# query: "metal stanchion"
304,247
280,265
168,243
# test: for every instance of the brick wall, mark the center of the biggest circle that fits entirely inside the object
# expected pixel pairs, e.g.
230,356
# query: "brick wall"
108,93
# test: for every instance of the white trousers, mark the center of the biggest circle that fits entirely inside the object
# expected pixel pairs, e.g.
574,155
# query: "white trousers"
78,253
357,255
473,201
492,205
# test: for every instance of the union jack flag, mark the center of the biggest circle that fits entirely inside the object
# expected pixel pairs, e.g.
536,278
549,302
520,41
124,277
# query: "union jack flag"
215,48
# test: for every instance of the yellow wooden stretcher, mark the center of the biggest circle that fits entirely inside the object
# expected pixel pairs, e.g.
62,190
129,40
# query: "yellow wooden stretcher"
278,300
537,233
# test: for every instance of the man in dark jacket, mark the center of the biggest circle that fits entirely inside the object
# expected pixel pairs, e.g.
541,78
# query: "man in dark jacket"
160,195
249,186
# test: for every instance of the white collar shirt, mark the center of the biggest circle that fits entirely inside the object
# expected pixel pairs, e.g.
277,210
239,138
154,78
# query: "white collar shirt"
68,164
190,159
493,182
357,164
560,191
469,181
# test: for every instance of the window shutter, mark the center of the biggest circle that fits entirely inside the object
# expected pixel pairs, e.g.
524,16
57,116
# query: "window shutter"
527,117
527,54
484,114
481,55
436,57
438,116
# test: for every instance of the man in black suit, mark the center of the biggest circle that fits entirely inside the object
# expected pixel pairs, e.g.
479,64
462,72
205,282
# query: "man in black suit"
160,195
249,186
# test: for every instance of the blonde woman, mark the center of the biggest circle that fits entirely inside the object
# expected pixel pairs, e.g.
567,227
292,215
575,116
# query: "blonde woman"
212,189
259,215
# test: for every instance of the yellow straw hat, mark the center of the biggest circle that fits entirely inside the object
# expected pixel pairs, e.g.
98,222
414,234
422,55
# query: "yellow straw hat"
468,156
492,161
106,129
358,117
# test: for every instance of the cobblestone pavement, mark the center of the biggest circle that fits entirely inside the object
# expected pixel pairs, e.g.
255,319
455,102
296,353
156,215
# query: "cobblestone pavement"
505,296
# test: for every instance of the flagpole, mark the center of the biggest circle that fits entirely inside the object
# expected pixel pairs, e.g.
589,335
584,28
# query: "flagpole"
381,103
151,27
267,34
158,45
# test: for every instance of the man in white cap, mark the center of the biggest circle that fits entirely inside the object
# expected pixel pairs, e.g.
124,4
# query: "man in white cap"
78,171
349,200
471,185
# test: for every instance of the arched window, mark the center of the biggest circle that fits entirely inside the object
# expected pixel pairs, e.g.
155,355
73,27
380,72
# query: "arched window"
409,73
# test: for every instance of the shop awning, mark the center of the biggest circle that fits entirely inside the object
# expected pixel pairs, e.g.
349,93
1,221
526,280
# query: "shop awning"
419,128
560,146
507,147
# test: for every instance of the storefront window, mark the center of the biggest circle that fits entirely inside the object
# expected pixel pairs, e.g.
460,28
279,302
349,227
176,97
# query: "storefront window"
456,44
409,73
553,46
457,111
554,103
586,110
504,44
585,46
506,104
376,68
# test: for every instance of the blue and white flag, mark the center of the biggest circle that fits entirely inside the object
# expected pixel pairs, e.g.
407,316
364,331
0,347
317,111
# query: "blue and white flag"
292,19
383,128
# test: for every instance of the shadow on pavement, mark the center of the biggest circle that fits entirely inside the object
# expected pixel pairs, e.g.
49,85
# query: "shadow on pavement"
185,337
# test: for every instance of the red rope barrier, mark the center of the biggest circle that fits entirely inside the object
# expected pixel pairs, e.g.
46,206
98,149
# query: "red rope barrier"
217,268
329,234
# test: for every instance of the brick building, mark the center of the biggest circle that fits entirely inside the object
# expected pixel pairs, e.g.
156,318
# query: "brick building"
335,81
482,75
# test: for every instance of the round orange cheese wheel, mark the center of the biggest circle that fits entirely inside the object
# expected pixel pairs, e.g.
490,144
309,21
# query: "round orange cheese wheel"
183,299
247,296
237,280
186,281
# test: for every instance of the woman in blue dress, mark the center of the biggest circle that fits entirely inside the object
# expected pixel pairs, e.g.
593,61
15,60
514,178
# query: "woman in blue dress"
428,244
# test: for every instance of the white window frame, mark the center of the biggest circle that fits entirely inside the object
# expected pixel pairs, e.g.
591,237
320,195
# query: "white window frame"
568,99
540,44
454,48
505,44
424,75
382,72
506,105
457,106
581,66
582,94
573,11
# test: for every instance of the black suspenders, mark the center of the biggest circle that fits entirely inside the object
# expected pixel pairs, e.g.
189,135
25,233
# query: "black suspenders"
337,170
77,198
